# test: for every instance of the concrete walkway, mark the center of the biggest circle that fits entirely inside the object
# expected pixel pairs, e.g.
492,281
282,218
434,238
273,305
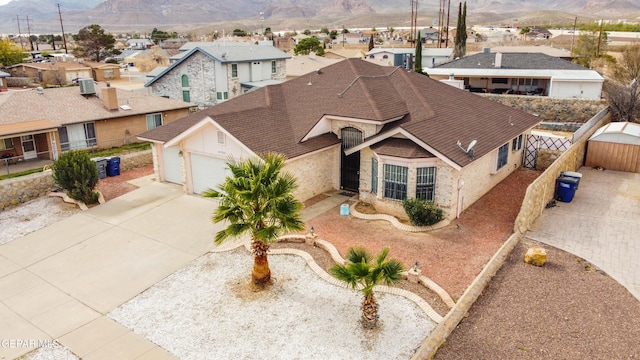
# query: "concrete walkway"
600,225
60,281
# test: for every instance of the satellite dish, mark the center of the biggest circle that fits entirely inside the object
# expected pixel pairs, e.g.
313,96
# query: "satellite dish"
471,145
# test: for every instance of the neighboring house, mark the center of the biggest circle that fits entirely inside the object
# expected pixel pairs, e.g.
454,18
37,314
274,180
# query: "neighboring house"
522,73
211,73
340,53
347,39
304,64
139,44
398,56
385,133
103,71
41,123
285,44
544,49
429,36
52,73
3,81
538,33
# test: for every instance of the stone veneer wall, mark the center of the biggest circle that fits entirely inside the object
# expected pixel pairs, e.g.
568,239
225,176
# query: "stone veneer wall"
18,190
538,194
552,109
200,70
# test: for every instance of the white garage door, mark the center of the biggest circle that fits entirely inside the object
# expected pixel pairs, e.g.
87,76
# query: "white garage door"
207,172
172,165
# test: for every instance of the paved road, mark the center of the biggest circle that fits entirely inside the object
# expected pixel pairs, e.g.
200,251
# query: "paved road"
600,225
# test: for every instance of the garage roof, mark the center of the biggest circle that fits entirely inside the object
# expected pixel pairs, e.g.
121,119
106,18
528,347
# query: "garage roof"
619,133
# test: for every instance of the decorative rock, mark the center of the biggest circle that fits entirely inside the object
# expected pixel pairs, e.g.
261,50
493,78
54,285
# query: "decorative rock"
536,256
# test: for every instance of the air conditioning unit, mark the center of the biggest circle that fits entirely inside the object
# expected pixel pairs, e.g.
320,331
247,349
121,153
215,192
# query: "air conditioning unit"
87,87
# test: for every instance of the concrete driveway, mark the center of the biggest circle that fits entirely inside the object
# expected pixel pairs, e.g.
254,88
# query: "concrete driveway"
600,225
60,281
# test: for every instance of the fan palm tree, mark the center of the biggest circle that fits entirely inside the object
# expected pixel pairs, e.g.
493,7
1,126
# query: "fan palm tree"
257,198
363,275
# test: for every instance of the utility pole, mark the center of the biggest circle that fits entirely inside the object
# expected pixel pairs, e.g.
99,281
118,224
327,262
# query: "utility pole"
64,38
575,22
599,38
414,20
29,32
446,42
19,32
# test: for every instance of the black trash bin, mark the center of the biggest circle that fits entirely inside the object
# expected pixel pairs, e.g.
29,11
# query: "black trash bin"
113,166
566,188
101,164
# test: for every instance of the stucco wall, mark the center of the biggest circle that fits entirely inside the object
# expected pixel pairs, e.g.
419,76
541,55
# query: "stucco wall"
316,173
552,109
202,86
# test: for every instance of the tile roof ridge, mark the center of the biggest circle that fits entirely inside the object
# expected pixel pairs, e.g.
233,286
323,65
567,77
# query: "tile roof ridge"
425,104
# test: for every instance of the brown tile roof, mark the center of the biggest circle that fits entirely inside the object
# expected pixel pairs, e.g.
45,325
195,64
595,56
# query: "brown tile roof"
66,105
22,128
278,117
51,65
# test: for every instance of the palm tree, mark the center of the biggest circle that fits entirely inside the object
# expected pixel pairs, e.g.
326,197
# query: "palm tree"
363,275
257,198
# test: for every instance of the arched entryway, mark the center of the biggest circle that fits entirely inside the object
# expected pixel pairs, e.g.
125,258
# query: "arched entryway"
350,165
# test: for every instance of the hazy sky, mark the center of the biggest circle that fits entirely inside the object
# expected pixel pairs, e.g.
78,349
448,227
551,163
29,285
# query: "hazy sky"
2,2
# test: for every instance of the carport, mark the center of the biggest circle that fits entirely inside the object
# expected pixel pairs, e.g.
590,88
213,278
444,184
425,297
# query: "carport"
615,146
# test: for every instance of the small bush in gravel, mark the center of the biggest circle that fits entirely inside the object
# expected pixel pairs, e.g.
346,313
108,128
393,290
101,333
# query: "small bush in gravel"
75,173
421,212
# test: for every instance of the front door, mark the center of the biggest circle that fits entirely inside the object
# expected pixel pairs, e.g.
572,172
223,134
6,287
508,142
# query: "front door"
350,165
28,147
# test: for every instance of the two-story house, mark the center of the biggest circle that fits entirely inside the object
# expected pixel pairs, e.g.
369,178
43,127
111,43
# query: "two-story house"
210,73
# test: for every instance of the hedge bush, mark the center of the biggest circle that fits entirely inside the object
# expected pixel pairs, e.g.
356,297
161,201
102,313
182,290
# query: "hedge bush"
75,173
421,212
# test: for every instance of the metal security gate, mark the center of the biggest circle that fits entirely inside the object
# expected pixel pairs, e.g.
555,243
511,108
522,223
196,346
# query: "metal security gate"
350,165
537,142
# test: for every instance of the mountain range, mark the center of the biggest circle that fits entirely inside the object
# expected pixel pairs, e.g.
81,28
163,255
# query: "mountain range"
180,15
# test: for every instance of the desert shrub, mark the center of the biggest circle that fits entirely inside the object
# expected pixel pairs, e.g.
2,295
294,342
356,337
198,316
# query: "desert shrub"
75,173
421,212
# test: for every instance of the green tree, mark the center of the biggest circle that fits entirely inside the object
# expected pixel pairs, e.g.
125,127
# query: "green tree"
239,32
589,46
94,43
257,198
460,40
10,54
307,45
324,30
361,274
333,34
417,65
75,173
524,31
158,36
307,32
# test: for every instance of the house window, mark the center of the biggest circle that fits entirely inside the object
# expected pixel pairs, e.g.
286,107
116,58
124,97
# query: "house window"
499,81
234,70
372,56
503,156
222,95
185,81
516,144
426,183
385,56
395,182
273,67
109,73
221,138
6,144
186,96
78,136
374,176
154,120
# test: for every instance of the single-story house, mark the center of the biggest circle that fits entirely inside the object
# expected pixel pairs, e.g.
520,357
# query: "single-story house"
385,133
52,73
299,65
522,73
103,71
341,53
615,146
398,56
39,123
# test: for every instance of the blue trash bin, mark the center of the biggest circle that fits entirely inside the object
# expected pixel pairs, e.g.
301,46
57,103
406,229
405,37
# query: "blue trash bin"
572,174
113,166
566,188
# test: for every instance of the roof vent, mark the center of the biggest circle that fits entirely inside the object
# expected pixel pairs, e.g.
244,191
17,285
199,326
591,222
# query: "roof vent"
87,87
